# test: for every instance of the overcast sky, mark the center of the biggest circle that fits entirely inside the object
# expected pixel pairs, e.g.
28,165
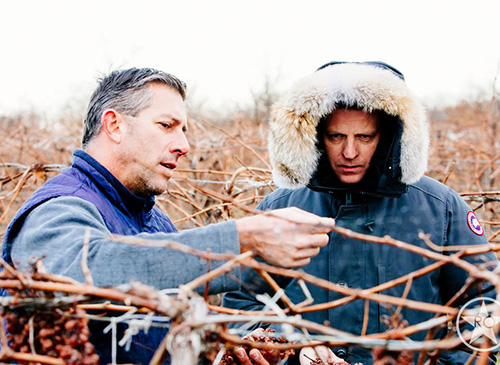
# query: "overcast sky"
53,51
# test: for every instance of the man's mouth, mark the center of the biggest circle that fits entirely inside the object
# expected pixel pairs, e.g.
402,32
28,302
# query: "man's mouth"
345,168
169,165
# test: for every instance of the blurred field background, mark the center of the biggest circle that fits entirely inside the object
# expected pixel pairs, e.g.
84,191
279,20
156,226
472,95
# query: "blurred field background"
227,172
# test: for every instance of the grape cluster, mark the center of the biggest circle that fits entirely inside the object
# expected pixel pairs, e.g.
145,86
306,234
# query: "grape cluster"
54,333
267,336
384,357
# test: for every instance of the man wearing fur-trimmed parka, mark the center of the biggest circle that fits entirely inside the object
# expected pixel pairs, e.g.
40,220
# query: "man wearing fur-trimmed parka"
350,141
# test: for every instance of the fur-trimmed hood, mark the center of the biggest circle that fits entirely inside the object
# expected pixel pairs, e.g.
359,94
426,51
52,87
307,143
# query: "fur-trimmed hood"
293,140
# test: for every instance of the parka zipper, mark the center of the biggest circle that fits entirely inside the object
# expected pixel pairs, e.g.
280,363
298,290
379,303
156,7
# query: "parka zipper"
348,198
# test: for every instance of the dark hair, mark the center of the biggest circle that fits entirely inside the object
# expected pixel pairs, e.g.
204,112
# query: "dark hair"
378,64
379,115
126,91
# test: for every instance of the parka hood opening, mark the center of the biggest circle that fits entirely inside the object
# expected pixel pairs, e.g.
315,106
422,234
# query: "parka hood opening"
383,177
294,148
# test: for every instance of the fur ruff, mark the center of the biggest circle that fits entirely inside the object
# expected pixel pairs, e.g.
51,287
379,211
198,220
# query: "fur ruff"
292,130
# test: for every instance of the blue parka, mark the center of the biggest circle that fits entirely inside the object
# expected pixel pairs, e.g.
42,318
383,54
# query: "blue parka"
393,199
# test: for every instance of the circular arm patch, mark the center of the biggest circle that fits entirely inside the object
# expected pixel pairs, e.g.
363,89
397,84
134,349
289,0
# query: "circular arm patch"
474,224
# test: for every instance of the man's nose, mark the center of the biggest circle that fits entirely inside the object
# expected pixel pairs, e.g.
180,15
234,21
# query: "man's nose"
180,145
350,151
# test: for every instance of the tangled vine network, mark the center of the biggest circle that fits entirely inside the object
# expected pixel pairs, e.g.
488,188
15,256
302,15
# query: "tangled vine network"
225,176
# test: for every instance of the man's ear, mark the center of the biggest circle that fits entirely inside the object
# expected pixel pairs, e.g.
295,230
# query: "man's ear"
113,125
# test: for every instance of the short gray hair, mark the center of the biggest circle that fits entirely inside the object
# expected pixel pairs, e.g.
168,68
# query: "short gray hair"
126,91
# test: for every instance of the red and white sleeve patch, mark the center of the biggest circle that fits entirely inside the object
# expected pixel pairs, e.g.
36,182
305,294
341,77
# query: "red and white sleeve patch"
474,224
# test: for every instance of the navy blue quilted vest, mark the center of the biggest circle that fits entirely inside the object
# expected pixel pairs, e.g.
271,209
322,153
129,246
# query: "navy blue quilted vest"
124,213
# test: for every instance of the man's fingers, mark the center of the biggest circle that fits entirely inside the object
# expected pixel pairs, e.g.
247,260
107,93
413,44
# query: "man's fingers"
296,264
298,257
257,357
306,253
308,242
284,237
305,219
328,223
317,240
242,356
317,224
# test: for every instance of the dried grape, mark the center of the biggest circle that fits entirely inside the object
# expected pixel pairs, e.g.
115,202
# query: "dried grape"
54,332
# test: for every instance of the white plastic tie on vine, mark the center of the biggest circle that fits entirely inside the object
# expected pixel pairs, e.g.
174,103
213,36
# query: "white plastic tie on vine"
32,335
167,303
295,336
269,303
134,327
219,356
170,291
147,322
305,290
112,326
287,331
120,319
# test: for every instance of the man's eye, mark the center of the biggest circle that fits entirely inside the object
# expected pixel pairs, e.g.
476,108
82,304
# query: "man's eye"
166,125
365,137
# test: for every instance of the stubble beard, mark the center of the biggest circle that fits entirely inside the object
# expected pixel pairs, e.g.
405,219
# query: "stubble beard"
150,184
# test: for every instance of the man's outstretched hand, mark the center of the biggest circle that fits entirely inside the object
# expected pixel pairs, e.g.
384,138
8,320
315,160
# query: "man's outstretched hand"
255,356
286,237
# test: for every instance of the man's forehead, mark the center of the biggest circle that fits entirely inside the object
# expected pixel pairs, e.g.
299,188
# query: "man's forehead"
167,98
352,119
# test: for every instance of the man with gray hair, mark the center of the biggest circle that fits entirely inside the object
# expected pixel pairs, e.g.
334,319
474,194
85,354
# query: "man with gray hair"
134,134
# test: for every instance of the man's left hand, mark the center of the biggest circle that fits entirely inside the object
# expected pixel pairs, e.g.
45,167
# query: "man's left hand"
255,357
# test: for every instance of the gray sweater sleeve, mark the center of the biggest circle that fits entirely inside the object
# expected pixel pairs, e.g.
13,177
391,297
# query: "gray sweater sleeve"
55,231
